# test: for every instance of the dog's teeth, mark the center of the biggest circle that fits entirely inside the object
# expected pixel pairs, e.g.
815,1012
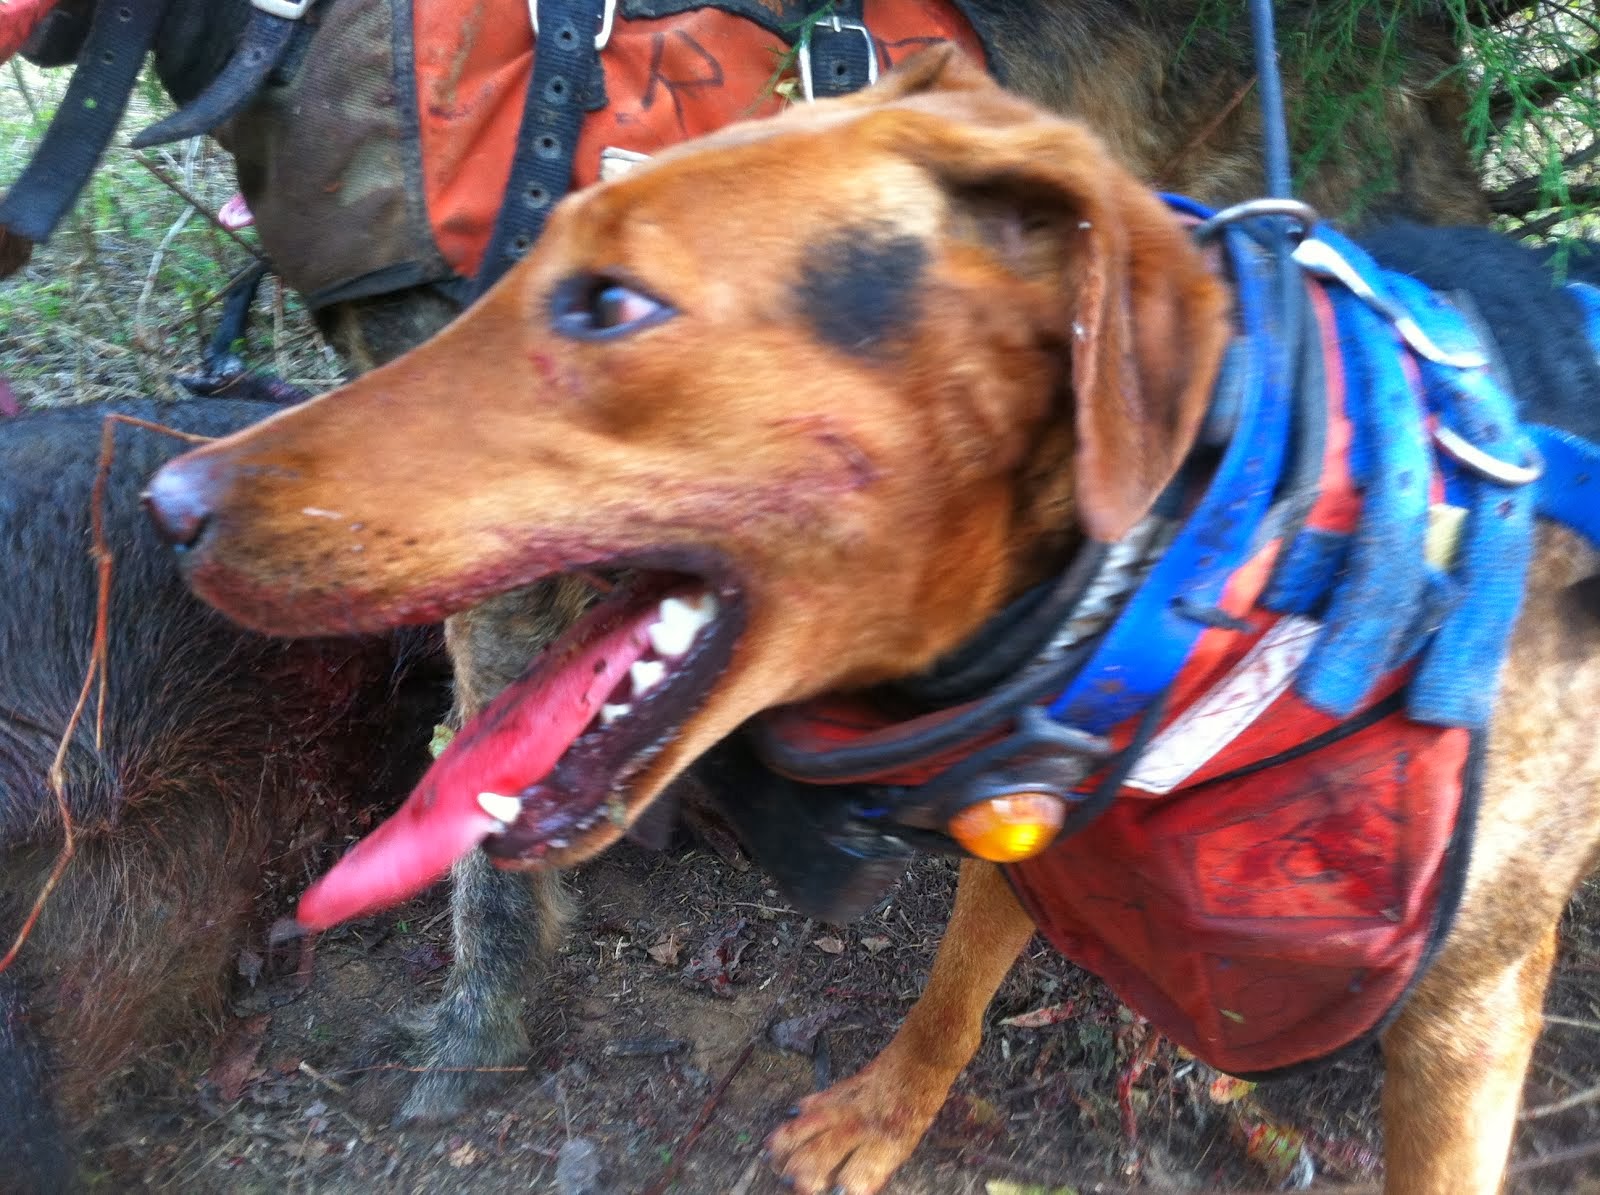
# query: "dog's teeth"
610,713
503,809
679,622
647,674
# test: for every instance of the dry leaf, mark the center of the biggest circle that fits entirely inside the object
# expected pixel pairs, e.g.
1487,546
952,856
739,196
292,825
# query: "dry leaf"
463,1155
876,945
236,1062
829,945
800,1033
666,951
1225,1089
1275,1148
718,957
1051,1014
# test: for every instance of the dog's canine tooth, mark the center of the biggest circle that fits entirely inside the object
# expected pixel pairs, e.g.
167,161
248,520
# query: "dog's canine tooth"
679,622
503,809
647,674
610,713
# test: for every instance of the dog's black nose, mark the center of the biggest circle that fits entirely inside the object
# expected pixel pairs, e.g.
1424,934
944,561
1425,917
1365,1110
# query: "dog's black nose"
180,499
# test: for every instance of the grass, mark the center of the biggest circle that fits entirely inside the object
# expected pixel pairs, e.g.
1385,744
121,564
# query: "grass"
124,296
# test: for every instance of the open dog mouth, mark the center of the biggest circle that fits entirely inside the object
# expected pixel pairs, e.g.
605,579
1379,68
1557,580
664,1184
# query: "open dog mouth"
544,774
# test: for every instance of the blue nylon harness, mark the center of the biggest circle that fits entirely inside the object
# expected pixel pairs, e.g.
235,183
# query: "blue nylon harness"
1379,600
1253,478
1417,376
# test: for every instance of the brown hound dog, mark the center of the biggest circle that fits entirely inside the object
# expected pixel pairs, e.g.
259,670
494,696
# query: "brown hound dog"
925,341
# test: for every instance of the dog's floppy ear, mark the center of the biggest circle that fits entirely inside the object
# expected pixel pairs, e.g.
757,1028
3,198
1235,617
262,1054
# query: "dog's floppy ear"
1143,319
939,67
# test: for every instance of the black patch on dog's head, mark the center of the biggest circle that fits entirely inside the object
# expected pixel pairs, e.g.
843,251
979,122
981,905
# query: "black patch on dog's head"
862,290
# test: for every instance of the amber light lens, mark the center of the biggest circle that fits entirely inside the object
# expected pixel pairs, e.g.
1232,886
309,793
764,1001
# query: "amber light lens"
1006,829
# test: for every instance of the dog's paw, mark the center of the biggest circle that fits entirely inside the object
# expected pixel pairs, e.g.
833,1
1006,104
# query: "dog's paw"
464,1048
852,1137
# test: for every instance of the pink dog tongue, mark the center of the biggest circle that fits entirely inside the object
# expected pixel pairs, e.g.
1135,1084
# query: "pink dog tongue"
511,746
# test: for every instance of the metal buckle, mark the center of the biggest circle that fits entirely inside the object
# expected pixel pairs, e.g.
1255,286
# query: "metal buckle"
289,10
803,53
1487,466
608,18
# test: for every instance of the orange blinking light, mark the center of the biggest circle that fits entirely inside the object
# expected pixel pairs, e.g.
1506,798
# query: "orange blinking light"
1005,829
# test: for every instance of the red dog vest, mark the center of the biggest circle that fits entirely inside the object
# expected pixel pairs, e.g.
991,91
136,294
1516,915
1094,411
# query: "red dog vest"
1269,878
666,80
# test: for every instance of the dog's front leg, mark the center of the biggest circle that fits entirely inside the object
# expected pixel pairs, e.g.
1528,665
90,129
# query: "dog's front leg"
1454,1065
505,923
853,1136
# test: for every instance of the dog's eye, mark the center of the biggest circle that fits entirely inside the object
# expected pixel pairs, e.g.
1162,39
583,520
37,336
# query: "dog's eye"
595,307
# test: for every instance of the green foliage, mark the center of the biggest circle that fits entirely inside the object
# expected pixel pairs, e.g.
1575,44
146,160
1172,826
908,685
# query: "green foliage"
1532,122
125,293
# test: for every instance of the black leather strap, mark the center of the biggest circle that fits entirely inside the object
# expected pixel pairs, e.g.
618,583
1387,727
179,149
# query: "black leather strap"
119,38
565,63
843,54
265,41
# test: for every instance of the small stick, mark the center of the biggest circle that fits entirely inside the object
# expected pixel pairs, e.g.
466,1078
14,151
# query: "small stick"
1204,134
182,193
786,972
1587,1096
312,1072
101,554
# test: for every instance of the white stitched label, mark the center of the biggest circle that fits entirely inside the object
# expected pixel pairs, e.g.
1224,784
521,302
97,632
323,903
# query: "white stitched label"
1221,715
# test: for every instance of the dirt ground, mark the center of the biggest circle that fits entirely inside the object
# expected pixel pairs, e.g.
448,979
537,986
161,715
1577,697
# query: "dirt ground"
641,1080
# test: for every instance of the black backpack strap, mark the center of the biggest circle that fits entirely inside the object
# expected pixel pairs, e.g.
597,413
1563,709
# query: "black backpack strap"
838,56
263,45
119,38
566,66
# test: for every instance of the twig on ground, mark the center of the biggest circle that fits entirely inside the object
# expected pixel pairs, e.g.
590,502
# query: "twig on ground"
96,670
178,189
313,1073
150,276
708,1110
1573,1153
1588,1095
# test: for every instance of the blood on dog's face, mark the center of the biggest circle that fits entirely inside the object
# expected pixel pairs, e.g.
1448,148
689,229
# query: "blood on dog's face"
775,382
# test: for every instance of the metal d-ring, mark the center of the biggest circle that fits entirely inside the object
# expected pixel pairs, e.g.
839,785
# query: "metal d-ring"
1302,214
1323,260
1487,466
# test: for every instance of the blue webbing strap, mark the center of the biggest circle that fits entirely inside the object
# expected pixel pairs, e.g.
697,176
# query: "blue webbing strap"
1455,682
1382,580
1569,491
1142,653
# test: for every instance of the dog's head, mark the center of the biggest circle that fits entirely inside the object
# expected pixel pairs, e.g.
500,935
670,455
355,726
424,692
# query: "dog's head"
830,388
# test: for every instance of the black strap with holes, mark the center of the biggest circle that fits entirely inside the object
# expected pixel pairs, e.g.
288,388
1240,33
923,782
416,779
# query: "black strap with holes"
262,46
841,59
565,67
119,38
